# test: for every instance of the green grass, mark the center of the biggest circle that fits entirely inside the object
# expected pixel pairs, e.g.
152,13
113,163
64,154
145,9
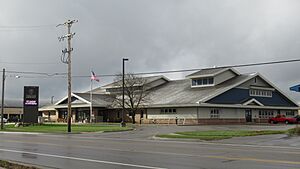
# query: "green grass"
10,165
294,131
62,128
218,134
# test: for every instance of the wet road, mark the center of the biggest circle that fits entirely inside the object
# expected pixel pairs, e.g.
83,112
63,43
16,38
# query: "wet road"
111,152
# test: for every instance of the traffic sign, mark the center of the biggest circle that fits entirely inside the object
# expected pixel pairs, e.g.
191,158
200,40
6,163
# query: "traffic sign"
295,88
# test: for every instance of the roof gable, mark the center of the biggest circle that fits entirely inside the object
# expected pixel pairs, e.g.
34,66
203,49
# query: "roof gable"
253,101
245,80
74,99
148,79
211,72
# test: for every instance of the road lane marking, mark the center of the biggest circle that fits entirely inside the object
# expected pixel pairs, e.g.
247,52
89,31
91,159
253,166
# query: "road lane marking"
255,159
181,154
179,142
82,159
151,167
169,141
150,152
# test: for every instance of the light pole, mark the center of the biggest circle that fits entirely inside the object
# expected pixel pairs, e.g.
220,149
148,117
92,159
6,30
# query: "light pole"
2,101
123,123
52,98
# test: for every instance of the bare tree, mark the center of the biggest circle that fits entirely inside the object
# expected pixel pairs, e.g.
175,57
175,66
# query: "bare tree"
135,93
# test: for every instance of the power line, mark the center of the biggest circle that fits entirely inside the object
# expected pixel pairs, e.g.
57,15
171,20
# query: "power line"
157,72
228,66
28,63
36,73
26,27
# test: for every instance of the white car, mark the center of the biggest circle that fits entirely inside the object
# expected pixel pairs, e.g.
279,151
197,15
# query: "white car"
4,120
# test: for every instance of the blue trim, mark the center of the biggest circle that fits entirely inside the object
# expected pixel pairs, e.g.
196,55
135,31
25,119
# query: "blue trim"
240,96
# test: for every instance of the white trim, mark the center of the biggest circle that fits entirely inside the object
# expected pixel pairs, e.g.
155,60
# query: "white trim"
82,99
72,94
213,74
281,92
200,76
262,88
253,100
109,86
221,106
225,89
61,100
208,85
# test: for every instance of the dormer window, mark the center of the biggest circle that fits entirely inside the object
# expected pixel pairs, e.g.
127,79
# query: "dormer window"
205,81
260,93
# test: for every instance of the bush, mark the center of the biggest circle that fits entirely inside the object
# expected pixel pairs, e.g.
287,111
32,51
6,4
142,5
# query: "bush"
295,131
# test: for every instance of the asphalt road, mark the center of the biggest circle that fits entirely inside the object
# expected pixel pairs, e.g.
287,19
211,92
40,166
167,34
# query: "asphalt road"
123,150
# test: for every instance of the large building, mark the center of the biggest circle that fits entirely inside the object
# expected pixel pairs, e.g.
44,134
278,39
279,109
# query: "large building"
209,96
13,110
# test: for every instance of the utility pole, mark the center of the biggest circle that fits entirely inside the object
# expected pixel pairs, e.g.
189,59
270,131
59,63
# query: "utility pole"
2,101
68,36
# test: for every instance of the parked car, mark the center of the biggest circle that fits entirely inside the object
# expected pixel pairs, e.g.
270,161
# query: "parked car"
4,120
298,118
282,119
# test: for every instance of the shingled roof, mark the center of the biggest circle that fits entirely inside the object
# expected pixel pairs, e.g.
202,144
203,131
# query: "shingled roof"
180,91
102,100
211,72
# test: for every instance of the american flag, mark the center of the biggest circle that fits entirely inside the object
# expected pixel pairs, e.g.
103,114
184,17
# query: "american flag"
93,76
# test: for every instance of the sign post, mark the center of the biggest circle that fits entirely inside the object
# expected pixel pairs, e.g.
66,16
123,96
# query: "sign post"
295,88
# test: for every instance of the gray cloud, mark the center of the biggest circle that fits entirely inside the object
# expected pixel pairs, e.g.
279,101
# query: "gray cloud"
154,35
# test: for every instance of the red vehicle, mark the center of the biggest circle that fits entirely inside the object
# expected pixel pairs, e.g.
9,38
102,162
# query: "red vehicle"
282,119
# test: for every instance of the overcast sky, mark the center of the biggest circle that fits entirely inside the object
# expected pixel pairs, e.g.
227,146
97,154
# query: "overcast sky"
154,34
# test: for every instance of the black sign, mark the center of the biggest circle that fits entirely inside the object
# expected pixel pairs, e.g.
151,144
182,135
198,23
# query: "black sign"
31,104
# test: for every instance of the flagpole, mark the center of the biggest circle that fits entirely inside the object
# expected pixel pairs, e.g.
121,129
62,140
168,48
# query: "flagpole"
91,102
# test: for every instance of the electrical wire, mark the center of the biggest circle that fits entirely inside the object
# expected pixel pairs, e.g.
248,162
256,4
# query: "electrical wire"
156,72
27,63
26,27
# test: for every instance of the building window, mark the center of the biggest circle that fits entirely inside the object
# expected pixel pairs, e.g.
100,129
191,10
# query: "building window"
266,114
290,113
167,111
214,113
260,93
203,81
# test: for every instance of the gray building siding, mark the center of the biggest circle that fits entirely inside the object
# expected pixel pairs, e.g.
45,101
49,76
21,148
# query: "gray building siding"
239,96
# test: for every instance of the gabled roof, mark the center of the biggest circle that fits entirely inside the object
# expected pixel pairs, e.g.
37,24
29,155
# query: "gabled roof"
239,83
148,79
251,101
100,100
180,91
211,72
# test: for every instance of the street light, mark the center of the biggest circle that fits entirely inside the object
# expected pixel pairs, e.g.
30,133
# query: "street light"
2,100
123,123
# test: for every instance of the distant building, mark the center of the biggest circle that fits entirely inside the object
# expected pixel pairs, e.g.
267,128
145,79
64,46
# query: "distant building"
209,96
13,109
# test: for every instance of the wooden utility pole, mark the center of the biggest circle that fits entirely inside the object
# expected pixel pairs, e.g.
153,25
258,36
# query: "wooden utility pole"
68,36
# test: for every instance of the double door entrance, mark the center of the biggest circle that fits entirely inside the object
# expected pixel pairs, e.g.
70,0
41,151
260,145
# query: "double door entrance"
248,115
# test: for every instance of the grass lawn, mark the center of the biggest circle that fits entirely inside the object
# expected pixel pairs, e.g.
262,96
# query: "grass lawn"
10,165
62,128
218,134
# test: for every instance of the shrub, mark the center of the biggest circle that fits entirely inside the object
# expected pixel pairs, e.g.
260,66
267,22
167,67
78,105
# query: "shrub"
294,131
